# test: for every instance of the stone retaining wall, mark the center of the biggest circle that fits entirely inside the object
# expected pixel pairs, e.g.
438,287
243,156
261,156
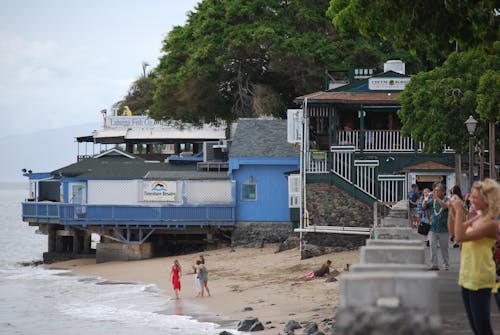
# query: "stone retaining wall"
330,206
253,234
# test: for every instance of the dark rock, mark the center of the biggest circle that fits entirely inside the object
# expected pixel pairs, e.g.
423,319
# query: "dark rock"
251,324
245,324
32,263
225,333
291,326
257,326
330,280
311,250
291,242
247,309
310,329
268,322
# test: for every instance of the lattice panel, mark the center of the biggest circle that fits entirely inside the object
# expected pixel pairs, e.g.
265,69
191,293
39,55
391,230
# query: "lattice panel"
209,192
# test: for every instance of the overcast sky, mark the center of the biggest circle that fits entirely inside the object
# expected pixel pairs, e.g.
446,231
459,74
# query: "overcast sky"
63,61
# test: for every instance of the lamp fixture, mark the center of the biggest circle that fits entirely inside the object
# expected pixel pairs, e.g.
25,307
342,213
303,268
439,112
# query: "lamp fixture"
471,124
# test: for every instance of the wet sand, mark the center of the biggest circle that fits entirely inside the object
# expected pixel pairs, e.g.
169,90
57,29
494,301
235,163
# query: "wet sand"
272,284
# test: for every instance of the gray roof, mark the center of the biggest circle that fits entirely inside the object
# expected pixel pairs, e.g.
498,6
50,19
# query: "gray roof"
115,167
261,138
186,175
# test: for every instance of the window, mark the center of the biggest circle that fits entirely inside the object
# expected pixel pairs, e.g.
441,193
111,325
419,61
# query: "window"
294,191
249,192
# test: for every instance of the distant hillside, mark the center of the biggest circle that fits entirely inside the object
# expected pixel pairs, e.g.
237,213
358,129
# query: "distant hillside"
43,151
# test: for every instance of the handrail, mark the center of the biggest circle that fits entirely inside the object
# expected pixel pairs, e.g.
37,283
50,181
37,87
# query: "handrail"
74,214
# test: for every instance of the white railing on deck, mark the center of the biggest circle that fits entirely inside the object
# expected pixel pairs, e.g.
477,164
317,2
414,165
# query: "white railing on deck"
348,137
342,161
389,187
365,175
381,141
387,140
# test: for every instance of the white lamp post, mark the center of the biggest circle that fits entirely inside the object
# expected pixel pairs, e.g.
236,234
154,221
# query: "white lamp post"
471,124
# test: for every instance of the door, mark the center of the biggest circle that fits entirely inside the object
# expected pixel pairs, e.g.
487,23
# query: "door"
78,197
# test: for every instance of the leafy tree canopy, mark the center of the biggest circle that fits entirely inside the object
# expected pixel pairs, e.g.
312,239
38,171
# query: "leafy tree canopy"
428,28
435,104
140,95
242,58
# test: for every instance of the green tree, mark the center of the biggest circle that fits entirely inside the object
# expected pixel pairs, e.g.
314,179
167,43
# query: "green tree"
488,106
242,58
140,95
435,104
428,28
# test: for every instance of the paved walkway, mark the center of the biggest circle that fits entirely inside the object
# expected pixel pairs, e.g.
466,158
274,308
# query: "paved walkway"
453,317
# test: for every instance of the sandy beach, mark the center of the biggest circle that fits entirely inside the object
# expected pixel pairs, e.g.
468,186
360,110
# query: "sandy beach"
272,284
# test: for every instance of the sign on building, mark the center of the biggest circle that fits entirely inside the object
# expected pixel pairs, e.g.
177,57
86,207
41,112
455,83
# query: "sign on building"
159,190
387,84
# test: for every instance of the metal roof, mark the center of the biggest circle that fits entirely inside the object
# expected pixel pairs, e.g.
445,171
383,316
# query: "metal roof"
122,167
261,138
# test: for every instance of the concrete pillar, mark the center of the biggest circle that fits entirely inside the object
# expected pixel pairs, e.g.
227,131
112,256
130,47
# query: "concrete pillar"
86,242
51,239
177,148
392,254
417,289
77,241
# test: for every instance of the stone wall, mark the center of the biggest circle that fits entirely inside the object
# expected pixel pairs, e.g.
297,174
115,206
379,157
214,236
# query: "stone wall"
330,206
252,234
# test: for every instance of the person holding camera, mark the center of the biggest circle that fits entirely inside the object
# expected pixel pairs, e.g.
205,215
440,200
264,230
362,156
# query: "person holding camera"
478,234
438,233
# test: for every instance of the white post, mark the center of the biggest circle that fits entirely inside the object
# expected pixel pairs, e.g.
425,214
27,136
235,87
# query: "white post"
303,161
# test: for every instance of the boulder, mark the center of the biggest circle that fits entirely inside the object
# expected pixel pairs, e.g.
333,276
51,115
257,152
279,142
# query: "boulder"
291,326
250,324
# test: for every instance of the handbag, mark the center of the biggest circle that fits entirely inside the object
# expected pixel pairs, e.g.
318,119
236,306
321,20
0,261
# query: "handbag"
423,227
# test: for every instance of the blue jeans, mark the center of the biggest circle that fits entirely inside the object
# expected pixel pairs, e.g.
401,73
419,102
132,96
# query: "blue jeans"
477,306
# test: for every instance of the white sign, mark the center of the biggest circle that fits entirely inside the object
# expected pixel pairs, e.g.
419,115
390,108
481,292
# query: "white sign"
386,84
130,121
159,190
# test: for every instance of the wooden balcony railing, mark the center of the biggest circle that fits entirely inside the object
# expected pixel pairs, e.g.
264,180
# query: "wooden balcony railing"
381,141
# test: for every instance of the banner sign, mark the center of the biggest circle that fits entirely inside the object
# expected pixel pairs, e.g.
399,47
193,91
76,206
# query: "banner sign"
388,84
159,190
130,121
318,156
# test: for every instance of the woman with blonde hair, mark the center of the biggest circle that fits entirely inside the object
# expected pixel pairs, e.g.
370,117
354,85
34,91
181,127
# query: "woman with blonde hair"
477,275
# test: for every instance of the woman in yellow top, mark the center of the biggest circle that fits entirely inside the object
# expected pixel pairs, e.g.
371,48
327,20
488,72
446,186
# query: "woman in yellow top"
477,275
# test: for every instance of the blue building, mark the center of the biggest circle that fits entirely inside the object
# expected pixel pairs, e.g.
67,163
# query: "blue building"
139,208
260,159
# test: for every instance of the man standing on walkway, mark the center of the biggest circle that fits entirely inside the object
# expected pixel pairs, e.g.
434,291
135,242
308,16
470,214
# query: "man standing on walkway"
438,233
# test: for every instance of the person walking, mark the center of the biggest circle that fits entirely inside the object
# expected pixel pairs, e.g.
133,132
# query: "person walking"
197,283
175,276
438,232
203,276
477,275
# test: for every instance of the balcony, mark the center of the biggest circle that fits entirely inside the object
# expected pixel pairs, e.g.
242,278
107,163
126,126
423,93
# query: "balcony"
167,217
380,141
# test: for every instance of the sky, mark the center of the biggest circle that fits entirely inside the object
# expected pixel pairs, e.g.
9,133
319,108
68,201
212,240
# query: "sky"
63,61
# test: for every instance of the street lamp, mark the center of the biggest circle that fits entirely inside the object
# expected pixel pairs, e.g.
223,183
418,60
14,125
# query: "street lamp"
471,124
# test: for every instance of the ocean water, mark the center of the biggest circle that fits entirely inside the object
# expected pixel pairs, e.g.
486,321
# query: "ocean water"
38,301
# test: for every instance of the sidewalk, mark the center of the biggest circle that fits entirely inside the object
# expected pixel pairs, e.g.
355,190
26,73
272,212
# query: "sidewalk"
453,317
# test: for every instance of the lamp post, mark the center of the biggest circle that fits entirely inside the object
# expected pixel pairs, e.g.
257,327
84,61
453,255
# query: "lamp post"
471,124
